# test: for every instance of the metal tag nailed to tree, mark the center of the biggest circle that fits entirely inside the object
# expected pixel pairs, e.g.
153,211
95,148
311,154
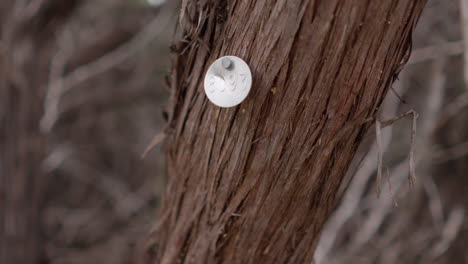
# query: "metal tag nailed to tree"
228,81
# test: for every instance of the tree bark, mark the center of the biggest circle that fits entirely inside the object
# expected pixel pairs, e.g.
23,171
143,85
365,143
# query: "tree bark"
255,183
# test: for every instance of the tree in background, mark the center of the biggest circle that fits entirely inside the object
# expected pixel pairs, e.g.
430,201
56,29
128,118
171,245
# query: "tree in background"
71,72
25,56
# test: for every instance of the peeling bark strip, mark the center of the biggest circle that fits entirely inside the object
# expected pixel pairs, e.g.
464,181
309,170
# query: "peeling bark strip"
255,183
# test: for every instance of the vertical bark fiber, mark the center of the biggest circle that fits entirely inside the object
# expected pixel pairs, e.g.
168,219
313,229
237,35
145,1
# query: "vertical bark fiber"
255,183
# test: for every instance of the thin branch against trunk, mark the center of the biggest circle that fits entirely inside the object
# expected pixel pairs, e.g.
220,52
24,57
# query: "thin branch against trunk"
256,182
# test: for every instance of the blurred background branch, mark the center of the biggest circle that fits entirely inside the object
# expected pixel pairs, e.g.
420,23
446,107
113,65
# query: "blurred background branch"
76,192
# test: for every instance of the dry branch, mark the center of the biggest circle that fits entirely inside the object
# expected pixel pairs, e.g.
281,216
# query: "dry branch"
22,179
60,86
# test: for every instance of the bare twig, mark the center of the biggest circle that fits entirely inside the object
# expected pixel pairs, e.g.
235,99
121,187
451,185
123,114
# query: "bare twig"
432,108
356,189
435,51
452,109
119,55
51,103
124,201
389,122
390,188
56,158
158,138
61,86
32,8
452,153
378,140
412,150
435,202
380,209
412,167
450,232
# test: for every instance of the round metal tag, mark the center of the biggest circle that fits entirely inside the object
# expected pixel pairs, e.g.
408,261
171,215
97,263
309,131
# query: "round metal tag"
228,81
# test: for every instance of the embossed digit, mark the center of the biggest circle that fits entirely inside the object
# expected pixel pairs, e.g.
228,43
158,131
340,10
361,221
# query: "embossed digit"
243,77
211,84
232,82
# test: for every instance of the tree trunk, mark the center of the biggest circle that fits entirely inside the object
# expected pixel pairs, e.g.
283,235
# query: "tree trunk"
255,183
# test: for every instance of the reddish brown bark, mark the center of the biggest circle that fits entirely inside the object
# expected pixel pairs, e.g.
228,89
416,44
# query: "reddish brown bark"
255,183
